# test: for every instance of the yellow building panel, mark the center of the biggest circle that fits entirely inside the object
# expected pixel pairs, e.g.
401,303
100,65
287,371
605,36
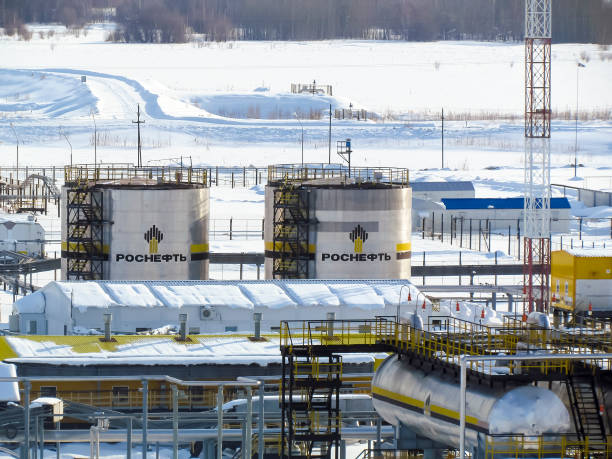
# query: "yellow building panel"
567,268
593,267
6,351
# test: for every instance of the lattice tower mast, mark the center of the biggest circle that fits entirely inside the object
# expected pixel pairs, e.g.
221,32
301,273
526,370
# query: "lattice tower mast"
537,155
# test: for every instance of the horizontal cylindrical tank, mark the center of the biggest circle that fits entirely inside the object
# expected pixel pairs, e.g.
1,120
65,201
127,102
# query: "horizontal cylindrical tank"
428,404
151,230
350,229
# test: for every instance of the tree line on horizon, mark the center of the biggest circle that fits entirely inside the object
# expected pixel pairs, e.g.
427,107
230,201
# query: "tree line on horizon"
174,21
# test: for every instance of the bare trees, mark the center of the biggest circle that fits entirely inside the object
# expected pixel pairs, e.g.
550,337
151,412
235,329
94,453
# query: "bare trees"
415,20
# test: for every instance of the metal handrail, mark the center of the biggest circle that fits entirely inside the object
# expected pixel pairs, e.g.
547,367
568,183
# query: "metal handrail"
84,174
288,173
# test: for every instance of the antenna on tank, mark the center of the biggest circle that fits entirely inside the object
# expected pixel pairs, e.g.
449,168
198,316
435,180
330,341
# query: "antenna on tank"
138,122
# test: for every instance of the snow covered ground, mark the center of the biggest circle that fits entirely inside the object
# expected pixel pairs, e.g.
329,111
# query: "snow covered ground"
230,104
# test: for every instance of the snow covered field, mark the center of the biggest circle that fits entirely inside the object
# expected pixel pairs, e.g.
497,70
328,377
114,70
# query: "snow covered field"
230,104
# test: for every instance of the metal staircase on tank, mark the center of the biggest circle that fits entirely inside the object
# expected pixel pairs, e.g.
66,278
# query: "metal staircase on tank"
84,249
586,406
290,233
310,404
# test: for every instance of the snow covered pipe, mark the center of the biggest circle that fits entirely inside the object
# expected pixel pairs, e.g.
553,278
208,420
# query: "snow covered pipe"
257,328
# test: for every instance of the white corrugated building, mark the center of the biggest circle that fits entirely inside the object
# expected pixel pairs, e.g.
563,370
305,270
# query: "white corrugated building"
62,308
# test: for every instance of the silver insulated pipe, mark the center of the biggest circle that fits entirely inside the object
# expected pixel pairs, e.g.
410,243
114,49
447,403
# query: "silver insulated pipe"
257,327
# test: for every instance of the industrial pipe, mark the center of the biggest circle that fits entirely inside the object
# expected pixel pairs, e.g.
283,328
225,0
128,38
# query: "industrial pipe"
187,435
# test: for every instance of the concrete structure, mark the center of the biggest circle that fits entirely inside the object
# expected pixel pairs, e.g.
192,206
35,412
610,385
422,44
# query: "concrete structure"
500,212
582,277
323,223
150,224
62,308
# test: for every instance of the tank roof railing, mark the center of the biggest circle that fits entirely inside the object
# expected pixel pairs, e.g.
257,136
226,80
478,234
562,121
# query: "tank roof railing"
84,174
315,171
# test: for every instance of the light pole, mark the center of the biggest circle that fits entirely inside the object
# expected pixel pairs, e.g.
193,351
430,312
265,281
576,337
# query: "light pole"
16,138
66,137
580,64
301,126
399,300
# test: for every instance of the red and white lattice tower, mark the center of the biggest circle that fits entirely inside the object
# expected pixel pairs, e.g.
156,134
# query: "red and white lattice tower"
537,155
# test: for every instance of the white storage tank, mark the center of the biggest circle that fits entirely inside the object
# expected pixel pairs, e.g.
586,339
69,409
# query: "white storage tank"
321,223
127,223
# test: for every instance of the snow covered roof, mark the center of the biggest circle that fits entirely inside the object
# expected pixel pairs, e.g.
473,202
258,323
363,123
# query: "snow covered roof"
272,294
597,252
152,350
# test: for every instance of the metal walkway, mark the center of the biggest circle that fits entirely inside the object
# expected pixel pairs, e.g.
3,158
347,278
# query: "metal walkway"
440,344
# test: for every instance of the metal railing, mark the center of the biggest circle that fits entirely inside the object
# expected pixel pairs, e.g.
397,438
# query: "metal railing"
561,446
300,173
447,339
83,174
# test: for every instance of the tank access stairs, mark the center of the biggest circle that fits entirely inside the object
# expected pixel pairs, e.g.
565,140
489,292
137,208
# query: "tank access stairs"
290,241
587,407
84,245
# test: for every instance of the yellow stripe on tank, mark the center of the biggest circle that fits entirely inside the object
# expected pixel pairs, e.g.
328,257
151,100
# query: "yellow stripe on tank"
403,247
198,248
420,404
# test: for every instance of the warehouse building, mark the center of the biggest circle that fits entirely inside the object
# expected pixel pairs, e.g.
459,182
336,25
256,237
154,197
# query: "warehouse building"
66,308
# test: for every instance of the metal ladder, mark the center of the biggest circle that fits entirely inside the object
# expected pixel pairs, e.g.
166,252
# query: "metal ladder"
585,407
310,405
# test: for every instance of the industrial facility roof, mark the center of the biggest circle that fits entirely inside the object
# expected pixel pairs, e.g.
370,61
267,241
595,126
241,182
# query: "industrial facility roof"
227,349
442,186
271,294
497,203
597,252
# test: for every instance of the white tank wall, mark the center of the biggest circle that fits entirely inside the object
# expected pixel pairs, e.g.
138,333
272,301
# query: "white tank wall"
181,217
384,214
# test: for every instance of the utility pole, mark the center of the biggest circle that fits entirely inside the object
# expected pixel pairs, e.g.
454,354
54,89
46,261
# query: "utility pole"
301,126
66,137
95,141
578,67
138,122
16,138
329,141
442,137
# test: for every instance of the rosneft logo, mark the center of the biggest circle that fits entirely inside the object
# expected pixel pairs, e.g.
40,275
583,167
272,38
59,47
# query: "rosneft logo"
153,236
358,236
